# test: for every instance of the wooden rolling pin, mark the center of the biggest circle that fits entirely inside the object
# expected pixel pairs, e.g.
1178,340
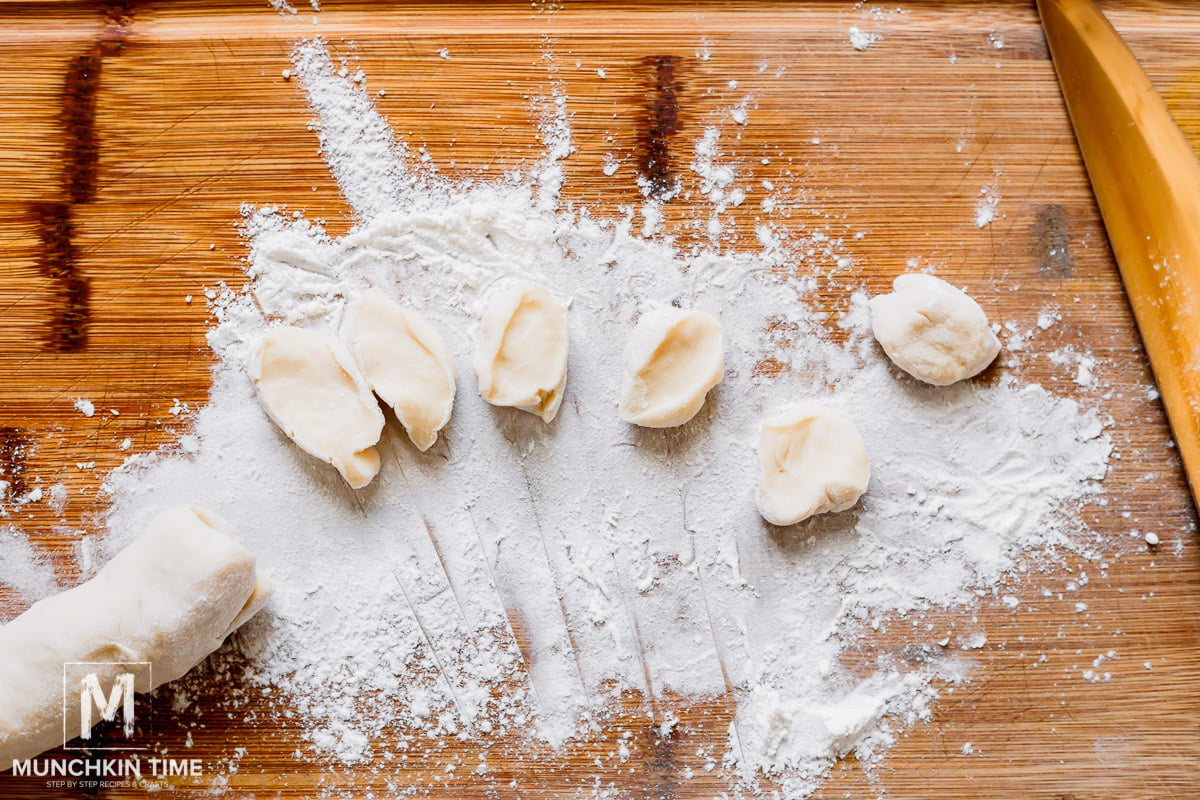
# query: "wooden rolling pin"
1147,183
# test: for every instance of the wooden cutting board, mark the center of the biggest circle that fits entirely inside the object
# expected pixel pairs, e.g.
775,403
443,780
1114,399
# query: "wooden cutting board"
131,132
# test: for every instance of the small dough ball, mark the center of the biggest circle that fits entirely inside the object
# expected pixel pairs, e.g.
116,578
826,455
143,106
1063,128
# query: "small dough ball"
521,359
406,363
672,359
316,396
933,331
812,461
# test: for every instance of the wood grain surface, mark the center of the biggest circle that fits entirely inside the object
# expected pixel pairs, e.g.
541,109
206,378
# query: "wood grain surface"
130,133
1146,180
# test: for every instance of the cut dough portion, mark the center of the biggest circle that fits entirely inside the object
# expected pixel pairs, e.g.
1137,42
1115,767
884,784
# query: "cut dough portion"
316,396
812,461
170,598
933,331
521,360
407,364
672,359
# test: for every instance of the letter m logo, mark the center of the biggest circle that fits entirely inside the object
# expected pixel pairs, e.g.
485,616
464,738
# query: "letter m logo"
90,694
98,692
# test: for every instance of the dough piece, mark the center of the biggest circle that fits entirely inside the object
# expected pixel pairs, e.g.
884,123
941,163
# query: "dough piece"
672,359
407,364
812,461
933,331
170,598
521,360
316,396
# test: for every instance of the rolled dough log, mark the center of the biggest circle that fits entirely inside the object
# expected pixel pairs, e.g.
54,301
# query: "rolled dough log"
170,598
315,394
521,360
407,364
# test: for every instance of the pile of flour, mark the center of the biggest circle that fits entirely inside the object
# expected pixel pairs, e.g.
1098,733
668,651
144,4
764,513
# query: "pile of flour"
627,558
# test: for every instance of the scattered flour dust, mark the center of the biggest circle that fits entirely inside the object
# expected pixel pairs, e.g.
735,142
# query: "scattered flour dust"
989,201
871,13
861,40
85,407
282,6
590,517
22,570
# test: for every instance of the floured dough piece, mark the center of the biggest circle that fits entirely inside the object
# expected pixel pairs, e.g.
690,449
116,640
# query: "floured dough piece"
316,396
933,331
521,360
170,598
672,359
812,461
406,363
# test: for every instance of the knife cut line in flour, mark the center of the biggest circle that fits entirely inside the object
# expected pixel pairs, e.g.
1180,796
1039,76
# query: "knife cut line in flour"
432,650
424,521
650,695
512,631
694,566
558,593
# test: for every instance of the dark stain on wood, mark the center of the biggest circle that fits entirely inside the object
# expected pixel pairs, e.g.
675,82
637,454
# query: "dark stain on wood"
119,16
660,125
69,325
80,87
79,126
1051,241
81,156
14,449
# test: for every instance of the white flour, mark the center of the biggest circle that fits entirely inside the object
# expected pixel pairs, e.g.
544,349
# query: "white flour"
989,201
27,574
862,40
621,528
